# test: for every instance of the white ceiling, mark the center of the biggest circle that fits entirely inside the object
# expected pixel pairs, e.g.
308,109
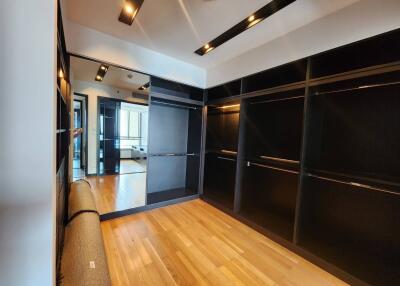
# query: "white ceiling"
178,27
86,70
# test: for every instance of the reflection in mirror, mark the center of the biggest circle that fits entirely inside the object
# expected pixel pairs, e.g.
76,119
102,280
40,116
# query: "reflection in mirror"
111,127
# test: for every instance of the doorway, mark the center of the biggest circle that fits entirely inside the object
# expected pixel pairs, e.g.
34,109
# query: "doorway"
122,137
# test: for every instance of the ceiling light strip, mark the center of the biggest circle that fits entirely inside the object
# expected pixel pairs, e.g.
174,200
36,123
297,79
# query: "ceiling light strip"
258,16
101,73
129,11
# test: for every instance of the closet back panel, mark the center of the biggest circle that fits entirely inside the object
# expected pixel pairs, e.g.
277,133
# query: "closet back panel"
168,129
166,173
356,132
354,228
222,129
226,90
274,126
219,179
269,199
378,50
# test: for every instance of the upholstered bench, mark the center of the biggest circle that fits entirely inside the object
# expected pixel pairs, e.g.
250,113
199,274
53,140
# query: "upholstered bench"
83,260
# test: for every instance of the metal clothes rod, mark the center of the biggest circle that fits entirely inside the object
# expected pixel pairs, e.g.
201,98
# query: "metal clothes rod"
269,167
353,184
173,154
358,88
226,159
274,100
173,104
280,160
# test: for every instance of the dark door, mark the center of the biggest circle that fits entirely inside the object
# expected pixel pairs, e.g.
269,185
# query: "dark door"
109,145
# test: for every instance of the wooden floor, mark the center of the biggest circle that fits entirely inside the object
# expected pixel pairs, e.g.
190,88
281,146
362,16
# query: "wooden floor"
118,192
193,243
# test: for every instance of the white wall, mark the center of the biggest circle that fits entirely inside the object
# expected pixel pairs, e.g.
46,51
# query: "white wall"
94,90
363,19
27,142
91,43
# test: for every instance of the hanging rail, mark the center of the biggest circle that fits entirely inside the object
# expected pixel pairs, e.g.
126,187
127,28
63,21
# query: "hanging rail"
274,100
354,184
269,167
280,160
358,88
174,104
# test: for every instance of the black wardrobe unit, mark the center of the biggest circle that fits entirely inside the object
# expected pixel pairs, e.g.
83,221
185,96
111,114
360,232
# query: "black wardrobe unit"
314,161
175,129
273,134
351,189
221,154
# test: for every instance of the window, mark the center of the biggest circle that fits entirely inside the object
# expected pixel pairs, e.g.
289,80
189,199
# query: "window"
130,132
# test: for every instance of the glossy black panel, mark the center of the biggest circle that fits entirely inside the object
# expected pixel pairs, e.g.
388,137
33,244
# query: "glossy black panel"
222,128
378,50
269,199
353,228
356,132
285,74
226,90
274,126
219,179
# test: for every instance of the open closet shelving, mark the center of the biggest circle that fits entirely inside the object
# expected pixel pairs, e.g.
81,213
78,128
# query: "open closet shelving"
175,126
62,134
315,161
221,153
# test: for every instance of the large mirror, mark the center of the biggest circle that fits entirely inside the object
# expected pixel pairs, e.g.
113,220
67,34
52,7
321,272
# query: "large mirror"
111,128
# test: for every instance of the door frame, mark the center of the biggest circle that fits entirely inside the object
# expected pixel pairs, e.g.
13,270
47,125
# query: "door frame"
86,128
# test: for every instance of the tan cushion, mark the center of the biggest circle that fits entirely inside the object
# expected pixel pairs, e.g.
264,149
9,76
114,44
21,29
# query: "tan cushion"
84,261
80,198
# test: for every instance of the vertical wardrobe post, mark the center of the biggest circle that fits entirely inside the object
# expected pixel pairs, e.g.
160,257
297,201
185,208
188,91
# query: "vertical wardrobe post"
240,156
203,148
299,199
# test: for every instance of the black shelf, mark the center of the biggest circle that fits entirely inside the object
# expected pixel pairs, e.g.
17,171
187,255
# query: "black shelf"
293,72
269,198
225,90
274,126
355,131
378,50
354,228
219,179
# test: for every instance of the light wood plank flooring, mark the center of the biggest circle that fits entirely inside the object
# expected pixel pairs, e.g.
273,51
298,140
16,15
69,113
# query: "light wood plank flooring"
118,192
193,243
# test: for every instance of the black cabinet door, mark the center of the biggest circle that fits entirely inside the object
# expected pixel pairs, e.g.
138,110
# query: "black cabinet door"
219,179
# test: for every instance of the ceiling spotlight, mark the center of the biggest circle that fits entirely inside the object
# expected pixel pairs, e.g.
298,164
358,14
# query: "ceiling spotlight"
251,18
144,87
101,72
207,46
129,11
255,21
